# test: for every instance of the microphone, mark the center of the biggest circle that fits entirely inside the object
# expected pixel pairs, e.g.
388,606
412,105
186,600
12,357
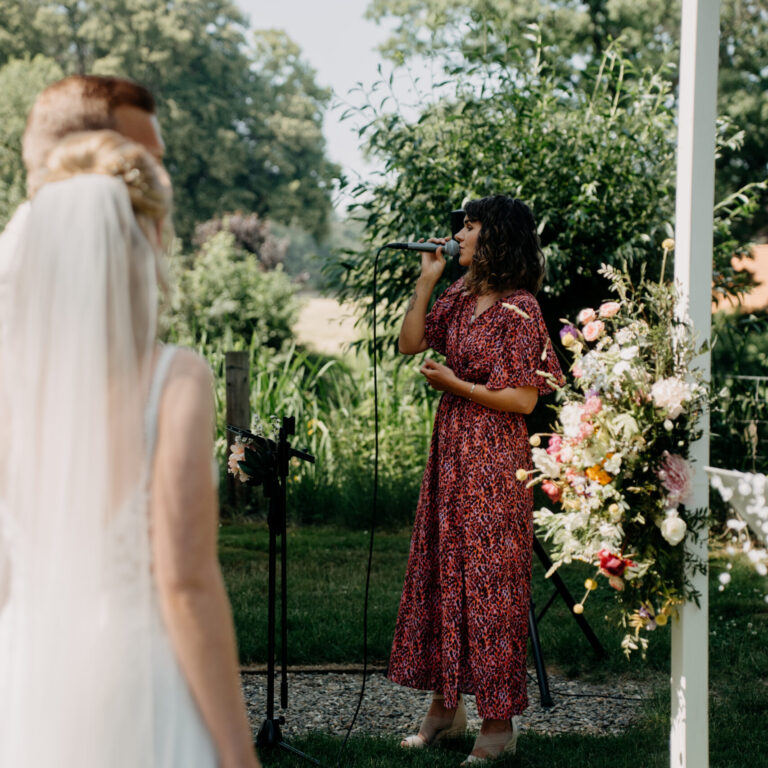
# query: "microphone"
450,249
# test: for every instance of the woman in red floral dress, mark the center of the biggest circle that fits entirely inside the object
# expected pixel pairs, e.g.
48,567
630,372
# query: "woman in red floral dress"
462,624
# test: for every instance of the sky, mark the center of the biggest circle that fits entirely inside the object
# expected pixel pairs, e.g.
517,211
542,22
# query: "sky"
340,45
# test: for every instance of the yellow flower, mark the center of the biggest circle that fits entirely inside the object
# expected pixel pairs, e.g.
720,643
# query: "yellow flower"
603,477
661,619
521,475
535,441
594,472
668,244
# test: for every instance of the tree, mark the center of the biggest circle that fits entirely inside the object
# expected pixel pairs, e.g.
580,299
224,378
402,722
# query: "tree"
596,161
577,34
226,294
236,139
252,234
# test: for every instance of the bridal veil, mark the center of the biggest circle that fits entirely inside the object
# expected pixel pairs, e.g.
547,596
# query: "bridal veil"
76,598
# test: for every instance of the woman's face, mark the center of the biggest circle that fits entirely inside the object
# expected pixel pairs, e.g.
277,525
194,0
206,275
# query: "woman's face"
467,239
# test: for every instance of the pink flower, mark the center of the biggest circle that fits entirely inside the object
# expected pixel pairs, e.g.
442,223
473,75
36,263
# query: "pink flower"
552,490
592,405
609,309
594,330
675,476
586,316
566,453
586,430
577,371
554,445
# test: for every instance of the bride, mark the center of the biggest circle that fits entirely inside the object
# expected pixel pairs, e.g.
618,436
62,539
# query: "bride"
116,639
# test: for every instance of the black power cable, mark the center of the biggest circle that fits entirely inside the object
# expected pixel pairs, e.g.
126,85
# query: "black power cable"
373,509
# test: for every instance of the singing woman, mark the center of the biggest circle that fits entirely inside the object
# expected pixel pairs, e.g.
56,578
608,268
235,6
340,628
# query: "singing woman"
462,623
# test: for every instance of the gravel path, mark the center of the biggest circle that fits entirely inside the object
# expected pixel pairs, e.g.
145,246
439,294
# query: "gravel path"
389,709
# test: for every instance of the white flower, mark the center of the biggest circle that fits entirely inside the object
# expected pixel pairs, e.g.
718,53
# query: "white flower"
623,336
670,394
613,465
626,424
724,578
668,425
570,418
547,464
629,353
621,368
673,529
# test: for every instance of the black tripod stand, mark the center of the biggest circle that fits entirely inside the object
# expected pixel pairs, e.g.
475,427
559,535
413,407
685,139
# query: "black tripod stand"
533,624
266,463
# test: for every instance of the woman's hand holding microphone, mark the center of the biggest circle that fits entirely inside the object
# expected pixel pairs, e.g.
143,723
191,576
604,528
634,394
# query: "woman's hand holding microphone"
412,339
433,262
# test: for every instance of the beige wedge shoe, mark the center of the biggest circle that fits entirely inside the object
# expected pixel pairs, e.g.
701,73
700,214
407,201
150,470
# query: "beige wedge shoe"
495,744
433,729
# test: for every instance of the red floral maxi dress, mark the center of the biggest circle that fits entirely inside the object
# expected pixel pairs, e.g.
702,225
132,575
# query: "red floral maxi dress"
462,625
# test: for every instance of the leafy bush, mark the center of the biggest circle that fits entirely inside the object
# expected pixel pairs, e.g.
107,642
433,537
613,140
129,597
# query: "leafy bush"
595,160
228,296
252,233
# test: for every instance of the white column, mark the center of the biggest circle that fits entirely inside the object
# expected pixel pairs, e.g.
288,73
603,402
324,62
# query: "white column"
689,735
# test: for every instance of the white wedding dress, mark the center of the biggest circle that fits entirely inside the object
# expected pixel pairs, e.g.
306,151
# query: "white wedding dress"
88,675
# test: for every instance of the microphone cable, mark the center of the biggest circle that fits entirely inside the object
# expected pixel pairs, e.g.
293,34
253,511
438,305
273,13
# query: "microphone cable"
373,509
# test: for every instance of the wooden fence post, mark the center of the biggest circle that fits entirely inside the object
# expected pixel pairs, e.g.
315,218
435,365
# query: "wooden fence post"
238,391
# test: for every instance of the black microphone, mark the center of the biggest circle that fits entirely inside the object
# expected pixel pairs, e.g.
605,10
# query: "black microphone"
450,249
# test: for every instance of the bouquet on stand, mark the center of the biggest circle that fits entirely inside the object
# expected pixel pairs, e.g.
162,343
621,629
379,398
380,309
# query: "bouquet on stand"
616,466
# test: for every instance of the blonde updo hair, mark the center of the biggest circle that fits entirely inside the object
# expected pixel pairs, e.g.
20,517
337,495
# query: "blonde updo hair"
112,154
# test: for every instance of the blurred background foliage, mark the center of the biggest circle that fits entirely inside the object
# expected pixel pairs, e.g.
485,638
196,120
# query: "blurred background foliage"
241,110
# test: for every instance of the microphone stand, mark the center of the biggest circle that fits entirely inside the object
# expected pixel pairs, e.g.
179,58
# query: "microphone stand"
266,464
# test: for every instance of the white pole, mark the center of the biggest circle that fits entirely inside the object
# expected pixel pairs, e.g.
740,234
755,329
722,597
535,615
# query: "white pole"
689,734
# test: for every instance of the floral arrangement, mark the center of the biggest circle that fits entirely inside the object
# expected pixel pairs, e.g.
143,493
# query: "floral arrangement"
617,462
236,464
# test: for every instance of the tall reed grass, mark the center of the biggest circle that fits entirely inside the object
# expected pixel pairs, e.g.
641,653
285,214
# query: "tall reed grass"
332,401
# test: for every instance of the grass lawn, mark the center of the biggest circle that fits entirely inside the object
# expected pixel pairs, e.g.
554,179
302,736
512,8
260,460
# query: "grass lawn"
326,573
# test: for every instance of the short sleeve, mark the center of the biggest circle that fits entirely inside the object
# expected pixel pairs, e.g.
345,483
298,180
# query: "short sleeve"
527,357
439,317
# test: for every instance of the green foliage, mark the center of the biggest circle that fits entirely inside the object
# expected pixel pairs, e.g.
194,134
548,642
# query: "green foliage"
242,122
306,255
597,168
20,81
579,33
596,164
252,234
332,402
227,295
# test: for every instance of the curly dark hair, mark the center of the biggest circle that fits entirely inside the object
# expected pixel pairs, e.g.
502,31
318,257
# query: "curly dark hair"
508,254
